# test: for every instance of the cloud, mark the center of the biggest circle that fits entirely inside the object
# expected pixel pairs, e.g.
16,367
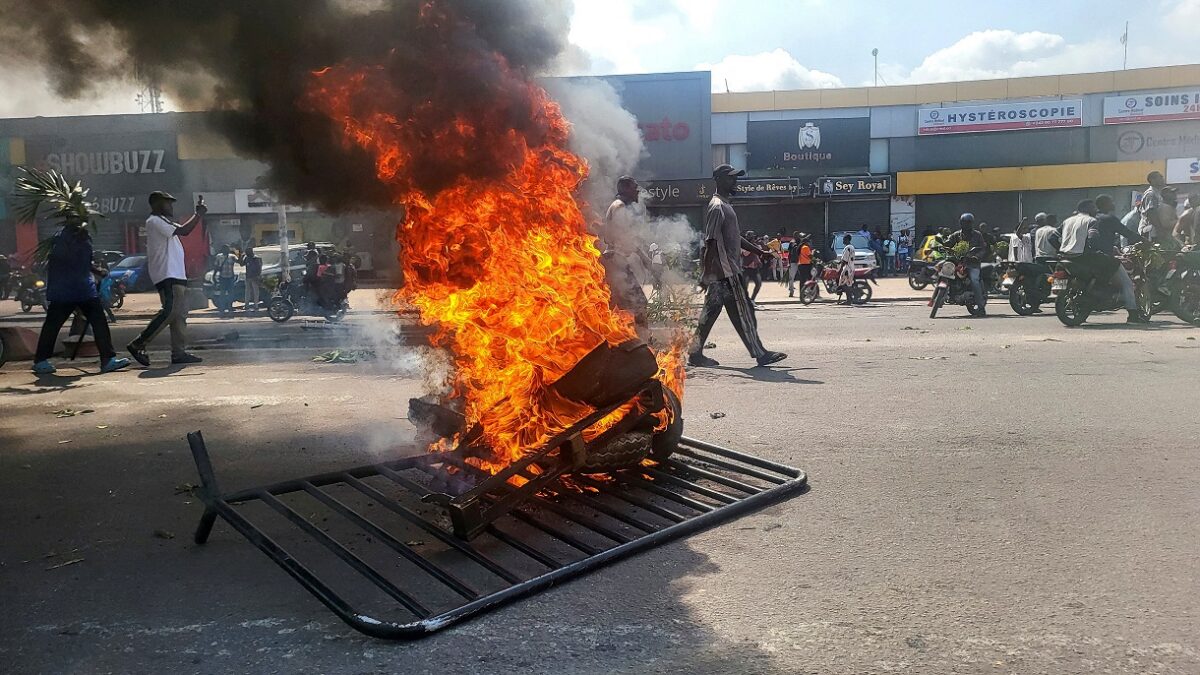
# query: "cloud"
766,71
28,93
991,54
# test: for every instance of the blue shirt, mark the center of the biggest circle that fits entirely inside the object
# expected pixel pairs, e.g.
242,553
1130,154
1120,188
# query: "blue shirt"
69,269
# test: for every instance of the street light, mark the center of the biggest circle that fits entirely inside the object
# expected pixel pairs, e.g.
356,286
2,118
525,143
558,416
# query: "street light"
875,54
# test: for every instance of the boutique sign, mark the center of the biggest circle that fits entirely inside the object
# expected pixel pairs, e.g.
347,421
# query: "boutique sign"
814,144
969,119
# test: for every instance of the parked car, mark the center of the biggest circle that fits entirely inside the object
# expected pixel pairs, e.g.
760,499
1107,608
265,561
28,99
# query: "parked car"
132,270
864,257
271,267
111,257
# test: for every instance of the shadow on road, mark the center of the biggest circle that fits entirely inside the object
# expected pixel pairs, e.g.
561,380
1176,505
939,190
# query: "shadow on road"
767,374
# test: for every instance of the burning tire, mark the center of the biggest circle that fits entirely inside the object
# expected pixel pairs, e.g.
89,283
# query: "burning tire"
665,442
621,452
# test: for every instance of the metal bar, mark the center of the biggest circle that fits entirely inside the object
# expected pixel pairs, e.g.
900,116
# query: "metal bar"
358,564
688,485
747,459
588,501
521,546
663,492
761,475
455,584
209,490
580,520
489,564
714,477
320,480
618,491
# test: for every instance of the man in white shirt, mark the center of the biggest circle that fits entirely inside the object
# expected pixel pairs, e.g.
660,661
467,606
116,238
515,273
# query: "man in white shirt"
164,262
1075,229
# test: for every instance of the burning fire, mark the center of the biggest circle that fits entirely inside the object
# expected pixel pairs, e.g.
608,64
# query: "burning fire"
503,266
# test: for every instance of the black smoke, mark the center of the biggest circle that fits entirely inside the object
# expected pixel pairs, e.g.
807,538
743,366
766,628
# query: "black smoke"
251,61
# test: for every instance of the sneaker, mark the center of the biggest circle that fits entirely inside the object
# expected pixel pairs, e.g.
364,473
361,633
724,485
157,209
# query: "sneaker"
771,357
699,359
44,368
1137,317
185,358
114,364
791,293
139,354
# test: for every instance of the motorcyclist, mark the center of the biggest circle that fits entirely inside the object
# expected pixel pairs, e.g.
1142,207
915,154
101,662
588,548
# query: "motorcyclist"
1046,238
1090,242
977,251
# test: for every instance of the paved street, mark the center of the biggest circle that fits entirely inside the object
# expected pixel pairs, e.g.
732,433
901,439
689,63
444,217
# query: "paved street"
996,495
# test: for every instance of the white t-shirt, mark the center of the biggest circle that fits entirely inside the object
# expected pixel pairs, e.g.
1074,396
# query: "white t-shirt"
164,251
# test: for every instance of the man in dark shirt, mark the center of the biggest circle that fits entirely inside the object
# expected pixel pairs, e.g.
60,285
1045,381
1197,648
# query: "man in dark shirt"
253,280
1104,238
720,264
977,251
71,286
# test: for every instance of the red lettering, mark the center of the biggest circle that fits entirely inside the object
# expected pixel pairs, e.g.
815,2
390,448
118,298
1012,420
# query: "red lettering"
666,130
682,131
650,131
665,125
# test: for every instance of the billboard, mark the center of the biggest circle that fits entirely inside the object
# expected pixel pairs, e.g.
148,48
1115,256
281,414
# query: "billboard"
1152,107
1185,170
968,119
817,145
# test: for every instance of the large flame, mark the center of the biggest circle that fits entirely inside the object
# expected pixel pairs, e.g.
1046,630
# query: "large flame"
503,266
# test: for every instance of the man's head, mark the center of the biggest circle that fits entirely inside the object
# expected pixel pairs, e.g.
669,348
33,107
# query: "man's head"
846,240
1170,196
1193,200
162,203
1105,204
1156,180
312,246
750,235
1052,219
627,189
966,222
726,178
225,249
1040,218
1086,206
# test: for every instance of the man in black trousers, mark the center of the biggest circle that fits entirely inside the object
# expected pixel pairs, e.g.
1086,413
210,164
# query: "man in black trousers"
721,274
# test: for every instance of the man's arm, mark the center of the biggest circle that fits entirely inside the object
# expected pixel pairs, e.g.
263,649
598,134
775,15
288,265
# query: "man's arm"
190,224
1129,234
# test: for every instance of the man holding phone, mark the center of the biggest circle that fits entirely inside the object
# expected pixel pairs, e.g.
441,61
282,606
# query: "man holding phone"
164,261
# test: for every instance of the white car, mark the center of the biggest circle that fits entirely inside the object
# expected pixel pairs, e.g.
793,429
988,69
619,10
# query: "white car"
864,257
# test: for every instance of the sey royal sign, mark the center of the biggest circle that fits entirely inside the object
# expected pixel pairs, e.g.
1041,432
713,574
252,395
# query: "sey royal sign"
841,186
1000,117
1153,107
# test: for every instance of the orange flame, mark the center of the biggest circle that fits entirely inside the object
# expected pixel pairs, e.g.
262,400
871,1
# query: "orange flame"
504,268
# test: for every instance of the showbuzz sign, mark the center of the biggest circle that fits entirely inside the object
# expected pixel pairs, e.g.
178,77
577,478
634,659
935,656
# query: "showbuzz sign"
968,119
1152,107
1183,170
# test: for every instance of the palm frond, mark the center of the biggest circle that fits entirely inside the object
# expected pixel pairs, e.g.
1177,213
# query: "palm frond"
37,189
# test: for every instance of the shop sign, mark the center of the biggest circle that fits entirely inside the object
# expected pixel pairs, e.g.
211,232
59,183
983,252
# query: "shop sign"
700,190
768,187
854,186
1152,107
815,144
970,119
258,201
1183,170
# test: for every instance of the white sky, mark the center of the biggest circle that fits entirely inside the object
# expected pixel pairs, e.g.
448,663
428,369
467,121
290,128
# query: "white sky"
788,44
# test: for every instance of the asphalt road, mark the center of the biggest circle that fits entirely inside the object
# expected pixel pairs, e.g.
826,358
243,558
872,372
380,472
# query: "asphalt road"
995,495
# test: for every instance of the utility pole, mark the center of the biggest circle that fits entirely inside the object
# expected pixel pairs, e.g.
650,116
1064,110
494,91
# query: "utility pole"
1125,42
285,272
875,54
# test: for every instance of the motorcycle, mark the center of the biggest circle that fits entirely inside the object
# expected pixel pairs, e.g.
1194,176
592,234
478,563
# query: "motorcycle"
1081,292
954,286
293,298
1028,286
921,273
860,292
31,291
1183,284
116,297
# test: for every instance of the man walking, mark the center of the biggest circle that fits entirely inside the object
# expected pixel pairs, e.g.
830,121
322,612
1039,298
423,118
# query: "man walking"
164,261
253,265
720,267
621,253
224,279
800,259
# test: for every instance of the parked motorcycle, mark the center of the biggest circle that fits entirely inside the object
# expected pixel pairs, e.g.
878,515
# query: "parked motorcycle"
293,298
1081,292
954,286
1183,284
921,273
860,292
1028,286
31,291
117,294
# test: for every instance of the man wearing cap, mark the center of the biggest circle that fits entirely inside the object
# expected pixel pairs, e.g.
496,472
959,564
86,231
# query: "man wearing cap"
800,262
164,262
622,252
720,265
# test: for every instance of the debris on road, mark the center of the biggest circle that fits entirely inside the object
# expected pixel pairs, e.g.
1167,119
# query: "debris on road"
345,356
68,412
164,534
716,415
64,564
186,489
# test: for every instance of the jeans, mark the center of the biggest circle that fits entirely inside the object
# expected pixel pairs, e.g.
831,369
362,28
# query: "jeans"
252,290
225,292
1128,293
753,274
173,295
977,287
57,315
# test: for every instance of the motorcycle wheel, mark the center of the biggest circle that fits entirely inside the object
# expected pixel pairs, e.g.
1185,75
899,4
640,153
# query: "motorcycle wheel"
1187,306
26,306
917,284
809,294
279,309
1071,308
118,301
1018,298
939,298
865,295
